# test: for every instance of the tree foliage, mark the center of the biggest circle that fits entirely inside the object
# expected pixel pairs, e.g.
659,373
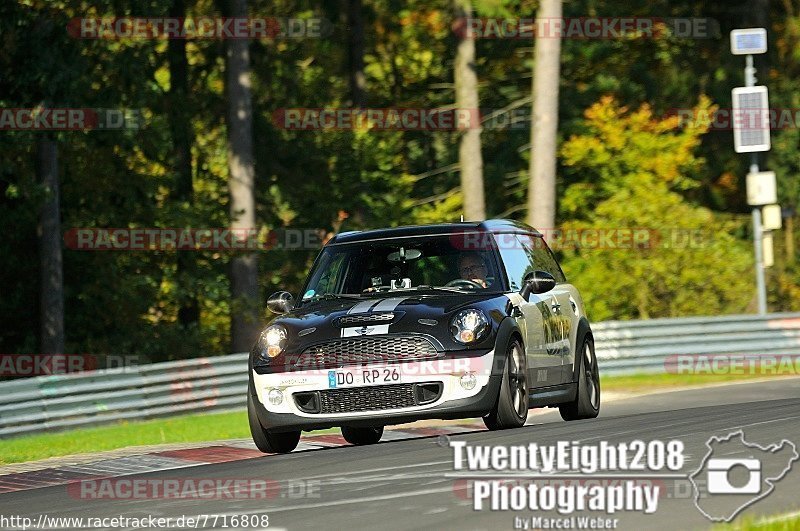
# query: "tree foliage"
634,167
625,163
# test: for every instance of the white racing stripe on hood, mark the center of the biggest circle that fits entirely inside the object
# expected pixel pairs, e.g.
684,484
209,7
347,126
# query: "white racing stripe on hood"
382,305
362,307
388,305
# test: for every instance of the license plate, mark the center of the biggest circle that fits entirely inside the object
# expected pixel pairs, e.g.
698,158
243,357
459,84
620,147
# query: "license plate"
363,376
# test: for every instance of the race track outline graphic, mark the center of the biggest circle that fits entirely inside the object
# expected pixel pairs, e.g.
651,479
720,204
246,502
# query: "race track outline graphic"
769,480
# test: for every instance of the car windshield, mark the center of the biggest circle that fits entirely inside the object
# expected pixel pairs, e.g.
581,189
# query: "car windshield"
435,263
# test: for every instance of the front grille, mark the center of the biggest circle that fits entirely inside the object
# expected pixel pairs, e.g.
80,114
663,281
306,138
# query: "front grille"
366,398
358,350
357,319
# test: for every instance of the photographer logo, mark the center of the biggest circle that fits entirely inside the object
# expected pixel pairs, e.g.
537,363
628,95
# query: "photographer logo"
735,474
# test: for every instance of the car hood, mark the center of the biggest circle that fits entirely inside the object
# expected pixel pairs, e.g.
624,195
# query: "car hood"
430,315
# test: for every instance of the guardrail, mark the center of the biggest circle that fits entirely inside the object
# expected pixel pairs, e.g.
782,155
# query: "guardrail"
650,346
47,403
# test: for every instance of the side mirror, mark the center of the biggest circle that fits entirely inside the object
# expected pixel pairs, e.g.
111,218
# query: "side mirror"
280,302
537,282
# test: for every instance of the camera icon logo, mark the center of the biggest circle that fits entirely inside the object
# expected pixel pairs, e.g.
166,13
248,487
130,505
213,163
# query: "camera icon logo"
719,476
724,486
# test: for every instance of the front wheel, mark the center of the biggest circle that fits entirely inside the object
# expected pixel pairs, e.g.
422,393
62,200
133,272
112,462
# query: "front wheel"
587,400
361,436
267,441
511,409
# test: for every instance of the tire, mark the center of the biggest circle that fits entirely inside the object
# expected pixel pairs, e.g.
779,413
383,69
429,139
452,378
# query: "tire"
511,409
361,436
267,441
587,400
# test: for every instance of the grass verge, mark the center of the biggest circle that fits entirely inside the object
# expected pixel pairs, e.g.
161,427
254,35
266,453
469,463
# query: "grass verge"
644,382
182,429
790,522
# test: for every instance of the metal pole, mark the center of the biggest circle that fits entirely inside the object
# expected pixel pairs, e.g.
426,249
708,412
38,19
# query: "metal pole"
750,72
761,283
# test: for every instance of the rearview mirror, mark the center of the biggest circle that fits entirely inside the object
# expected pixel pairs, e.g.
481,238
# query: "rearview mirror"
280,302
404,255
537,282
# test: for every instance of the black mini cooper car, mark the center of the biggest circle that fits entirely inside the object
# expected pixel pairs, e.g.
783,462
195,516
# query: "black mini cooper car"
445,321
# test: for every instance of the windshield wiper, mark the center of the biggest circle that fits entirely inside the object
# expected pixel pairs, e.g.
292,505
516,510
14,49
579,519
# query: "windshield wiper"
449,289
330,297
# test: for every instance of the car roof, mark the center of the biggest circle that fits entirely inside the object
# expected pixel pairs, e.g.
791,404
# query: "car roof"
492,225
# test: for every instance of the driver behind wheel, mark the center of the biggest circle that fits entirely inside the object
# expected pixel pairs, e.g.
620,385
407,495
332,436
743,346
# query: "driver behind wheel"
472,267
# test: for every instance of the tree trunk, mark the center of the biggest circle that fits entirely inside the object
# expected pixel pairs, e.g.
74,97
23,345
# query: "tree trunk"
51,299
544,122
245,302
355,37
182,140
469,152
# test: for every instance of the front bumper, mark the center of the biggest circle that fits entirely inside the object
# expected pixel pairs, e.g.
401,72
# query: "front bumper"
454,402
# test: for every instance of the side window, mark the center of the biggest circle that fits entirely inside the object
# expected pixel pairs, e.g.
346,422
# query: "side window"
330,274
541,256
515,259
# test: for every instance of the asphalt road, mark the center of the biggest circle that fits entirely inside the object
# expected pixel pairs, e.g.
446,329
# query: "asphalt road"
409,484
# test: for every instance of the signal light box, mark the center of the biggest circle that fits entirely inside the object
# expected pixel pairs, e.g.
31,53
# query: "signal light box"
751,41
751,119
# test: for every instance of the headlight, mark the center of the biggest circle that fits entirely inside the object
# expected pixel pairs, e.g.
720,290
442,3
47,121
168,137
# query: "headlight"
272,341
469,326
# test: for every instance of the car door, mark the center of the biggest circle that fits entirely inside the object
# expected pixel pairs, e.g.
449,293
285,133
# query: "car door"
543,368
559,307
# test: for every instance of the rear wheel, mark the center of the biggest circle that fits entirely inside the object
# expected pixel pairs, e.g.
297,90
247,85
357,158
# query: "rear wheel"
360,436
511,409
267,441
587,401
